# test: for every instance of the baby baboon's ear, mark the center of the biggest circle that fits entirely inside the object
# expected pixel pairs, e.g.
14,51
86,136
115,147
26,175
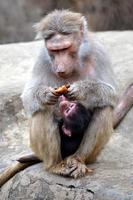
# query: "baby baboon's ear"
66,131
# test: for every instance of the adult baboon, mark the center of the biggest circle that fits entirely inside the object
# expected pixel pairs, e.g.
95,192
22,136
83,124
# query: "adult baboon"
70,55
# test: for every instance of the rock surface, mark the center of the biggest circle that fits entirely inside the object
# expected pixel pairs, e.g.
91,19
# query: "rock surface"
113,177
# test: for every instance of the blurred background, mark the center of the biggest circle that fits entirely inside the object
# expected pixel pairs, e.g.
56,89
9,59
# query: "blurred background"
18,16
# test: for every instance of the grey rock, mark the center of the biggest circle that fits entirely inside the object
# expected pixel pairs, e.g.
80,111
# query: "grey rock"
113,177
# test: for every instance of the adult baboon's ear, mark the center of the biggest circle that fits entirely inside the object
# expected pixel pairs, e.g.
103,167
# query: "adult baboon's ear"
84,24
39,34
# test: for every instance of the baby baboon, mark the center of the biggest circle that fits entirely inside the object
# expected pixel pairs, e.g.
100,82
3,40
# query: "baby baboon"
74,122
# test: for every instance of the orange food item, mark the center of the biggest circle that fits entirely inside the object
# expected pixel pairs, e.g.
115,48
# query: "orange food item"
62,90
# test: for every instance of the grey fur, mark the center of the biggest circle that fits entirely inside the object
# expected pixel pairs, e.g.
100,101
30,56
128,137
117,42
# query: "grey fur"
95,92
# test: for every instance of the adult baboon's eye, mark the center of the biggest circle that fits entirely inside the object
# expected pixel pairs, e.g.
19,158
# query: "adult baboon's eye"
66,33
47,37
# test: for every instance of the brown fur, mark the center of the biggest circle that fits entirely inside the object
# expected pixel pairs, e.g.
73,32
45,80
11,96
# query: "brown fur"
124,105
38,130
